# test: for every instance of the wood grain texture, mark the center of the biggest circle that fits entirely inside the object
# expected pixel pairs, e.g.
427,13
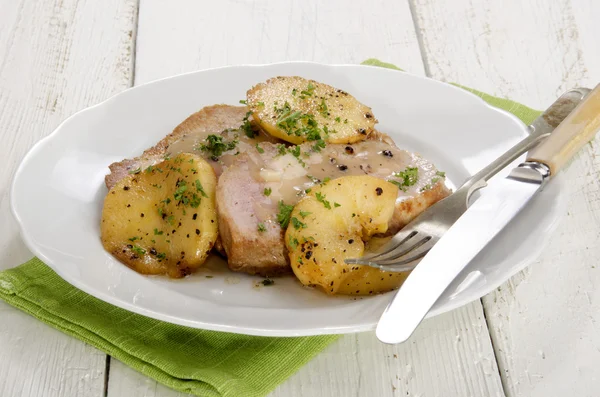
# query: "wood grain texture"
543,321
527,51
205,34
56,57
450,355
36,360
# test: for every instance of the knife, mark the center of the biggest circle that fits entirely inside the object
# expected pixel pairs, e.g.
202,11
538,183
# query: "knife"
502,200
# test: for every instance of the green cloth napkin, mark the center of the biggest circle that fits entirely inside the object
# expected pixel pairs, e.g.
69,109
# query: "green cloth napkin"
204,363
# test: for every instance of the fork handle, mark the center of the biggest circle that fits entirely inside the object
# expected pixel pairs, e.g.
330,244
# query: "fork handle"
576,130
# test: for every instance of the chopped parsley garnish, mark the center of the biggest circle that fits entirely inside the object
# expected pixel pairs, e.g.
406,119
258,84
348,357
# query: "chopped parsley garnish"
297,223
267,281
216,146
284,111
337,119
308,190
293,242
261,227
323,108
191,161
426,187
321,198
247,126
320,144
308,91
294,91
304,214
166,201
134,238
295,151
281,149
171,220
441,174
408,177
161,211
179,192
161,256
267,191
260,104
243,101
194,202
345,121
435,180
337,205
297,123
138,250
260,150
283,217
288,120
136,171
157,232
200,188
149,169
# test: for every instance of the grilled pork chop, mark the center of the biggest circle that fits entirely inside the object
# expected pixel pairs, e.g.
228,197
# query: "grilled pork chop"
257,165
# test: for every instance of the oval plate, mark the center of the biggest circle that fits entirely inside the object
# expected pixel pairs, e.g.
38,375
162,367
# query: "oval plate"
58,191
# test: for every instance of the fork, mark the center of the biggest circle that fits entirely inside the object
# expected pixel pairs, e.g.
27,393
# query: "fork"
403,251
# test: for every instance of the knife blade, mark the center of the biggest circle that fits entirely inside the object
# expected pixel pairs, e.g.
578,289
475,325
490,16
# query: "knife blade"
500,202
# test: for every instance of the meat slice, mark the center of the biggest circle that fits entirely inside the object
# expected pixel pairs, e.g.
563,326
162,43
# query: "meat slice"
241,204
250,233
222,120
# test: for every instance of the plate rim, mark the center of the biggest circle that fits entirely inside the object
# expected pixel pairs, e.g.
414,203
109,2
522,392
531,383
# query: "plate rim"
338,329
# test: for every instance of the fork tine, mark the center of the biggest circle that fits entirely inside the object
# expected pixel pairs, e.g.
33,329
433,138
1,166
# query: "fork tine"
407,247
401,266
397,263
399,239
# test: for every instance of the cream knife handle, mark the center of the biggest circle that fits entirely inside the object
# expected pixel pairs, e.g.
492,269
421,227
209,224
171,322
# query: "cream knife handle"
576,130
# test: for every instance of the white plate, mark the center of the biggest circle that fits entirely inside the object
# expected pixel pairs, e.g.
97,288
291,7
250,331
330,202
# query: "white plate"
59,187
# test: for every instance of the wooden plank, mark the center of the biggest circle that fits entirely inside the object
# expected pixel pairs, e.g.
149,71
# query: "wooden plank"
193,36
527,51
56,57
543,322
37,360
451,354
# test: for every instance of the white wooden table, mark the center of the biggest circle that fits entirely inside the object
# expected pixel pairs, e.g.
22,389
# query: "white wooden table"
537,335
